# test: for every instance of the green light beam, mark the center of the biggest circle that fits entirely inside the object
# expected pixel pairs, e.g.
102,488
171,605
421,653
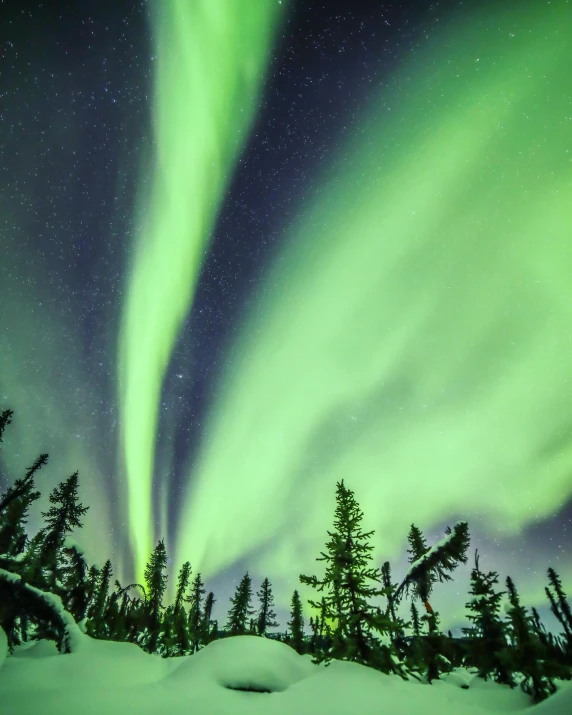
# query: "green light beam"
413,337
210,61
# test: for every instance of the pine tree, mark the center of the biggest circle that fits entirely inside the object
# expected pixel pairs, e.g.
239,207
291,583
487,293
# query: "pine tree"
266,615
526,656
61,519
75,584
167,644
177,640
431,564
240,611
559,606
14,507
346,579
96,613
415,620
414,652
156,583
296,624
198,630
488,645
209,628
93,575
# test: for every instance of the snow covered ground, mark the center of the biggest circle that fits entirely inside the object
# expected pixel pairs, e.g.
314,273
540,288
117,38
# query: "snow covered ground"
106,678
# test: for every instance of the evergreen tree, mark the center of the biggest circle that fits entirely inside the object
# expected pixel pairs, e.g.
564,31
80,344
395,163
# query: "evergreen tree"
209,628
176,640
156,583
75,599
61,519
296,624
346,578
93,575
526,656
266,615
430,565
488,645
240,611
198,627
415,620
559,606
414,652
14,507
96,613
182,586
167,644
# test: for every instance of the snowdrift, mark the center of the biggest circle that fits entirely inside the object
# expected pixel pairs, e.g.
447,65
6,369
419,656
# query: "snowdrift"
241,675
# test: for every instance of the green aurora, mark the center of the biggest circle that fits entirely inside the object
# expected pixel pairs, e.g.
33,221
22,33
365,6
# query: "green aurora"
413,333
210,64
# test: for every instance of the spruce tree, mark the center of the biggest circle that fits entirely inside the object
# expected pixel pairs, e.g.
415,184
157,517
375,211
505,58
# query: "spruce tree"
61,519
198,630
209,628
559,606
96,613
75,584
178,642
14,507
526,656
266,615
240,611
296,624
488,646
431,564
346,577
156,583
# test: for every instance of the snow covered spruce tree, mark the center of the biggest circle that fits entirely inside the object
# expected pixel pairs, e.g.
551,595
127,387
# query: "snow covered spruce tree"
347,573
427,566
527,653
156,583
25,609
296,624
266,615
240,612
488,647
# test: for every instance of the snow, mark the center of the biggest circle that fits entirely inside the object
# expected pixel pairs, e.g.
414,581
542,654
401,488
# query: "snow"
3,646
104,678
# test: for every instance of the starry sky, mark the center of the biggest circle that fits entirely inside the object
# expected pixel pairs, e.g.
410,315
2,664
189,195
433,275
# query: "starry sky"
249,249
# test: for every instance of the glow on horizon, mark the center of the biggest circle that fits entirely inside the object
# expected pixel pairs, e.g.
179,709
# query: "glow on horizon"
210,62
413,335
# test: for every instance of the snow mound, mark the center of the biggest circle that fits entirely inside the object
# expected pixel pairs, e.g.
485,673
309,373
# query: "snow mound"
246,663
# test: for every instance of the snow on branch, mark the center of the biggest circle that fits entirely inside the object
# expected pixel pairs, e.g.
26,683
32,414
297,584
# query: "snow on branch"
44,605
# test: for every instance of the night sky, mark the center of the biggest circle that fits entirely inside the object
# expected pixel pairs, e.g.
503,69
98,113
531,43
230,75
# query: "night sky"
250,248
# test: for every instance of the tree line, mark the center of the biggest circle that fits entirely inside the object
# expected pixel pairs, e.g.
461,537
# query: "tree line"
45,580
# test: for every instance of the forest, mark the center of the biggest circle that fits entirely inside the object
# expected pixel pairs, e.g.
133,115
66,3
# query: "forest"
47,586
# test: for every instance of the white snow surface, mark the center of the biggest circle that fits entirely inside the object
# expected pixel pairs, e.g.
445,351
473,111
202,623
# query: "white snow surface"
104,678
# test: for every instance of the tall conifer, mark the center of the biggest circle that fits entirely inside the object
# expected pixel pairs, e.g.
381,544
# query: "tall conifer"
347,573
266,615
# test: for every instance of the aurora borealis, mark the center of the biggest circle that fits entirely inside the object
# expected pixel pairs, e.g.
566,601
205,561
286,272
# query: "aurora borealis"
285,247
